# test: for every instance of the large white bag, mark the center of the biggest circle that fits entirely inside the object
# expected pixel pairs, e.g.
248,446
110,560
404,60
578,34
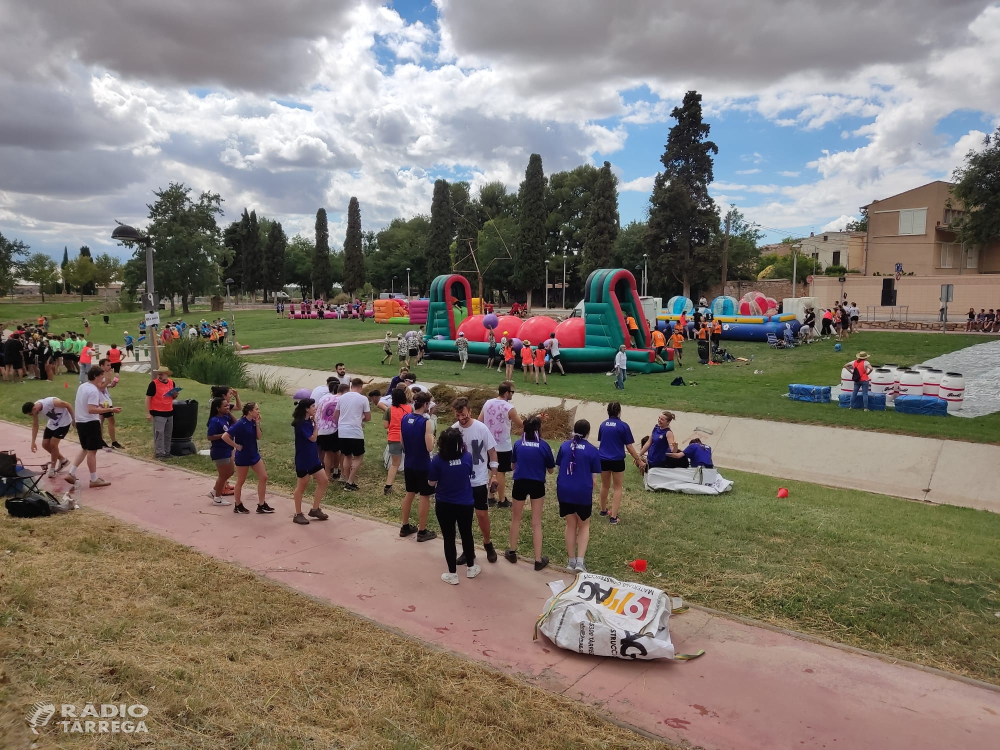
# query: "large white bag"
603,616
697,481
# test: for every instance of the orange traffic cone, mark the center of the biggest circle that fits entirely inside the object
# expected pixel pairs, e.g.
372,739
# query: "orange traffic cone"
65,384
639,566
782,492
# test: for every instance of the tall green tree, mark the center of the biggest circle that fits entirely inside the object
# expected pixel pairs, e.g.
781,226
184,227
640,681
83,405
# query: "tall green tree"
401,245
322,279
977,186
11,254
107,270
858,225
251,253
742,255
79,273
62,266
274,258
40,269
529,249
442,231
568,200
682,215
630,246
354,258
187,243
602,223
89,287
232,240
298,262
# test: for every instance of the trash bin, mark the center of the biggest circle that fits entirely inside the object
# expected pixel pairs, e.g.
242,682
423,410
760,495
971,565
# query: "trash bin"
703,352
107,319
185,423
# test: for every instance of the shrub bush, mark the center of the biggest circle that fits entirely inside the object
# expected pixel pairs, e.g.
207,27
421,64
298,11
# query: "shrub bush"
198,360
835,270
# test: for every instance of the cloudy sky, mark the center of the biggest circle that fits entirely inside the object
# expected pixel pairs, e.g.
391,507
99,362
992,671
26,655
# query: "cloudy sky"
816,107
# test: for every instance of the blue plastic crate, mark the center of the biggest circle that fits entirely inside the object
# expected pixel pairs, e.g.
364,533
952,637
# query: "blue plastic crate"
929,406
876,401
816,394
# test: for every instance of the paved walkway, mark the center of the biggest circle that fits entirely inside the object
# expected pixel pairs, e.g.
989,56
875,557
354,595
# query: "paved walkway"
754,687
304,347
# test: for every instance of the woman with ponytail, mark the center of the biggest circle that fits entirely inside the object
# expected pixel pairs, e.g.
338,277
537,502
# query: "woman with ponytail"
220,419
531,458
579,466
307,462
615,438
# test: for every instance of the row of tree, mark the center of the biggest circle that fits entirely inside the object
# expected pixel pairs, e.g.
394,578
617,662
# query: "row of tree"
82,274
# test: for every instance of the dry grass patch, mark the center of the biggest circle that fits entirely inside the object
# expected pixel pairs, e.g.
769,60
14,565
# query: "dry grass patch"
94,610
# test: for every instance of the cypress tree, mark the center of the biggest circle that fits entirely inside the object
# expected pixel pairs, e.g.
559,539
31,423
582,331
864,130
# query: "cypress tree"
321,274
354,259
274,257
62,266
89,287
529,249
602,223
250,252
442,231
682,215
232,240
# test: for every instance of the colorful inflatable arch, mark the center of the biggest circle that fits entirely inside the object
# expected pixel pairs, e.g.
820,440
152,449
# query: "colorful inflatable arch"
751,318
586,343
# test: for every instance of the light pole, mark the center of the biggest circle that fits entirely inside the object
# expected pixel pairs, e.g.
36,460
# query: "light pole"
407,284
564,280
229,303
795,266
546,283
130,235
392,287
645,274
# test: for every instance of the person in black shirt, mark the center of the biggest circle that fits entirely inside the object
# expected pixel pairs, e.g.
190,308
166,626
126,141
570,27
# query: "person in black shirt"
13,357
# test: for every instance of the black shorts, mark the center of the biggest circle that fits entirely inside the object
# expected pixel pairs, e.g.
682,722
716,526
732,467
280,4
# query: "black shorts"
309,472
609,465
416,481
503,458
402,357
328,443
107,416
492,351
116,366
567,509
90,435
525,488
352,446
480,497
57,434
555,357
413,352
129,348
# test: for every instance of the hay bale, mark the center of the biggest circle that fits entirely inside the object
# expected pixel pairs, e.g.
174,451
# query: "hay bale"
556,423
444,395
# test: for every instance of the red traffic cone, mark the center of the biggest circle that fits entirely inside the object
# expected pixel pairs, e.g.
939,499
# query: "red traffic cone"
639,566
782,492
65,384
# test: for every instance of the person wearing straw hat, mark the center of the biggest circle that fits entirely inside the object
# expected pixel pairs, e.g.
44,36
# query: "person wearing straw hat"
160,397
861,375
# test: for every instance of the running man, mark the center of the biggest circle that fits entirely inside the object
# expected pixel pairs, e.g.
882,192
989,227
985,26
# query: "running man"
60,417
387,348
480,443
418,442
499,414
462,344
555,358
88,411
633,330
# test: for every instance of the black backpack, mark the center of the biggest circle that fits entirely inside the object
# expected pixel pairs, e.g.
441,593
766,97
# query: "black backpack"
856,375
32,505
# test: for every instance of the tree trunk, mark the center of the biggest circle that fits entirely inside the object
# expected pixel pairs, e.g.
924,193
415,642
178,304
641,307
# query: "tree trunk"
172,308
686,282
528,299
42,293
184,304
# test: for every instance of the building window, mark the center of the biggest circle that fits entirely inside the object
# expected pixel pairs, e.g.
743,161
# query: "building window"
913,221
815,256
836,257
825,238
946,254
972,257
951,215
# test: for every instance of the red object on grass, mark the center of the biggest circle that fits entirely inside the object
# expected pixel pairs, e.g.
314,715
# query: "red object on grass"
782,492
639,566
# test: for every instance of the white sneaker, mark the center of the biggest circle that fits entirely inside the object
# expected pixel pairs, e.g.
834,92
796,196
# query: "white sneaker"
451,578
220,501
472,572
571,564
51,473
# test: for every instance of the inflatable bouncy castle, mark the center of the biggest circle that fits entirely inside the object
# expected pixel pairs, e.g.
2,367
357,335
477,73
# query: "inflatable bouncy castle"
587,343
751,318
391,311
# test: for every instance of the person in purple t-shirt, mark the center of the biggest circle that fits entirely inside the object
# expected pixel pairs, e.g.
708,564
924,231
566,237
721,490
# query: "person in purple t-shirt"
450,473
615,438
307,461
579,465
531,458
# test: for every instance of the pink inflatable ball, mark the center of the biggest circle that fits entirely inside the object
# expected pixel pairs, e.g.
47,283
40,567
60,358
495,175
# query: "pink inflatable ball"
489,321
516,344
537,329
474,329
572,333
302,393
508,323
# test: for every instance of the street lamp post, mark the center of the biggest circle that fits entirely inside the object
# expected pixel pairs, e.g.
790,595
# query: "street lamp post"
546,284
564,280
795,267
229,304
392,287
407,284
645,274
130,235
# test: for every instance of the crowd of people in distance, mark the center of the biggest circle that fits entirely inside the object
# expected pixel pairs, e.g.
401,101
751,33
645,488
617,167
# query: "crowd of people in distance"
985,320
30,352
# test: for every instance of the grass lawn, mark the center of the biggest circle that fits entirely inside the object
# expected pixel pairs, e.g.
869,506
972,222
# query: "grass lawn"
731,389
23,312
92,610
906,579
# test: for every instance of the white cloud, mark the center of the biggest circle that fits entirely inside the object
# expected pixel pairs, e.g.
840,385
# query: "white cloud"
838,224
638,185
747,171
788,173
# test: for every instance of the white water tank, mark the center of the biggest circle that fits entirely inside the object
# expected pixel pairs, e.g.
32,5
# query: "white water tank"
932,381
847,379
952,390
911,383
883,381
